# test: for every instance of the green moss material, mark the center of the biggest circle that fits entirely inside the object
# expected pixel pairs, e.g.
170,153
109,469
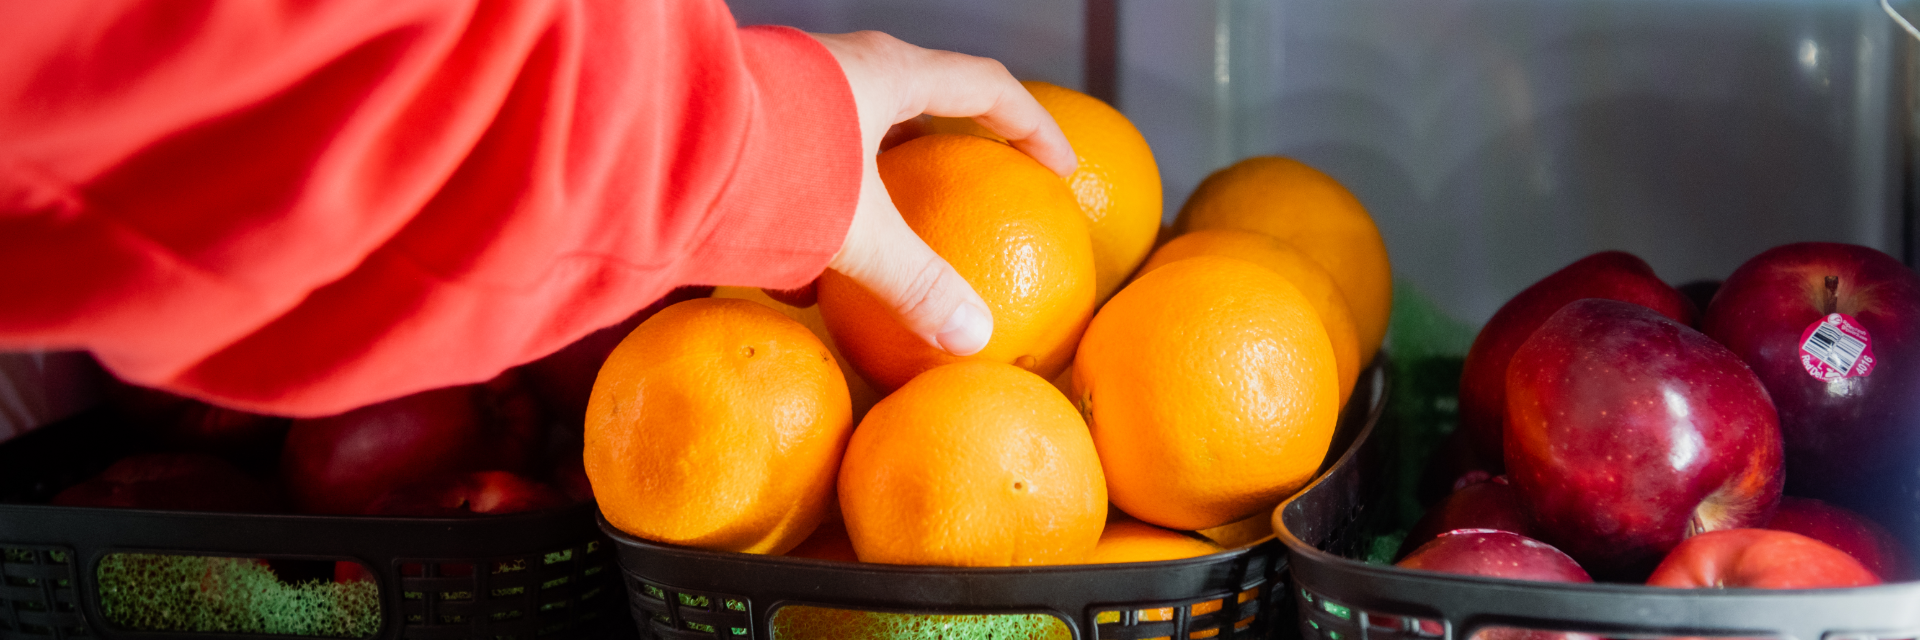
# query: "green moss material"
147,592
819,623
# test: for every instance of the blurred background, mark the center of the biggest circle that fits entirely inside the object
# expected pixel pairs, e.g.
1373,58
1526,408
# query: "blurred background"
1494,141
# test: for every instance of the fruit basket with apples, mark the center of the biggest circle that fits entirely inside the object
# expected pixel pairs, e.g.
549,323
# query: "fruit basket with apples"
1629,461
457,512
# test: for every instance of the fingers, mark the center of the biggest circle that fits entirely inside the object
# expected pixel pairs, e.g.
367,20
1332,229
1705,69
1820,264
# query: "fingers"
885,255
958,85
893,81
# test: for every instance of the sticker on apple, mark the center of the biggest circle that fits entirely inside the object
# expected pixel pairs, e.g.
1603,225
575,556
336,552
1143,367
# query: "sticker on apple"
1836,347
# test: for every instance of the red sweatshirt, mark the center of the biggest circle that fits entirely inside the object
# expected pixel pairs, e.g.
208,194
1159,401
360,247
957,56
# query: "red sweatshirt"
303,207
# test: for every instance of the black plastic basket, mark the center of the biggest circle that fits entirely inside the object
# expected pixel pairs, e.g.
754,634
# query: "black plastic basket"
1339,598
530,576
678,592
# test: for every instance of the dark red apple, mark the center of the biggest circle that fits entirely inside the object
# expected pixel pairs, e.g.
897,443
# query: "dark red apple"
1496,554
1847,531
1758,559
340,464
1627,432
1453,465
564,379
468,494
179,423
1847,385
1490,503
176,481
1614,275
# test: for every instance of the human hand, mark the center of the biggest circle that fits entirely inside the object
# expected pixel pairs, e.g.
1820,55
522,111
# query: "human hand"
893,82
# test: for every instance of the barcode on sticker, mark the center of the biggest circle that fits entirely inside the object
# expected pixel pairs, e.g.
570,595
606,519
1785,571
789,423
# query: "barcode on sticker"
1833,347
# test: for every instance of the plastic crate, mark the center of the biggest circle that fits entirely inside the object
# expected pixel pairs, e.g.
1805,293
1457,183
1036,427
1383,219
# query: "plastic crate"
677,592
1340,598
530,576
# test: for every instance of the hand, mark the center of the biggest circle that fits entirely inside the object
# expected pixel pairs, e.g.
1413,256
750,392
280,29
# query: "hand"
892,82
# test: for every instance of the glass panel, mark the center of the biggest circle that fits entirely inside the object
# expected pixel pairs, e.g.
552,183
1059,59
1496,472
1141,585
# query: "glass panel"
807,622
209,594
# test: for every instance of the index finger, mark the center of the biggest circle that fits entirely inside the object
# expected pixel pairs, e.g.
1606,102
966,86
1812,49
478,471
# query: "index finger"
963,86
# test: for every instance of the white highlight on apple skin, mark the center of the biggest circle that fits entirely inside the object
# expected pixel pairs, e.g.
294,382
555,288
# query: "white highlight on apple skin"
1688,443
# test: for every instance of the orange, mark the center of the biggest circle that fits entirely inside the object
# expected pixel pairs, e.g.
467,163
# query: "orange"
828,542
1290,263
1239,534
717,424
1009,226
973,464
1117,185
1289,200
1211,390
1129,540
862,394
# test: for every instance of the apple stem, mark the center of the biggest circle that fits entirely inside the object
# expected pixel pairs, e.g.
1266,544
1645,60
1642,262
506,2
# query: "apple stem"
1833,294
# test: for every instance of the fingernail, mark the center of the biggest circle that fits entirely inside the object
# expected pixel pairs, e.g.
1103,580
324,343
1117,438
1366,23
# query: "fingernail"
966,331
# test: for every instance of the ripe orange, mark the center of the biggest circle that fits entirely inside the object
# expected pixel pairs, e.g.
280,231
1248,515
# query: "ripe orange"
1211,390
717,424
1290,263
1129,540
973,464
1289,200
1117,185
1009,226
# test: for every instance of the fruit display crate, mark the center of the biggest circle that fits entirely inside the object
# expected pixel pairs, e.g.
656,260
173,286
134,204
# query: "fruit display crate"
1239,594
75,572
1341,598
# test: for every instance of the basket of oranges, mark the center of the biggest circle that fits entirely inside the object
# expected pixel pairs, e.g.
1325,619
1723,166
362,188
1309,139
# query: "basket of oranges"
1106,466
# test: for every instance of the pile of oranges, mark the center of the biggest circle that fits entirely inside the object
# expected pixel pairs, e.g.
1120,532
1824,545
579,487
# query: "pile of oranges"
1133,404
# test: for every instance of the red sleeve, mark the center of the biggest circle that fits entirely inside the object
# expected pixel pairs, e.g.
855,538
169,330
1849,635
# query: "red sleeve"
302,207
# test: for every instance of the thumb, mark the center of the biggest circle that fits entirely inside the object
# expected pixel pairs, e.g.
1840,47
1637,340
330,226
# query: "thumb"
883,254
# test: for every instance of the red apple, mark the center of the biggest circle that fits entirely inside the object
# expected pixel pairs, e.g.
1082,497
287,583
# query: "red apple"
1496,554
176,481
1847,531
340,464
1628,432
467,494
1490,503
1852,432
179,423
1758,559
1614,275
1453,465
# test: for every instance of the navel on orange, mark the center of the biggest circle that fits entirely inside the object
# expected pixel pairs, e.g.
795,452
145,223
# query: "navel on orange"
717,424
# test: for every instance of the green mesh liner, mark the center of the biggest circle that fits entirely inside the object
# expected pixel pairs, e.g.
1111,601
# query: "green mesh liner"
148,592
801,622
1428,348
